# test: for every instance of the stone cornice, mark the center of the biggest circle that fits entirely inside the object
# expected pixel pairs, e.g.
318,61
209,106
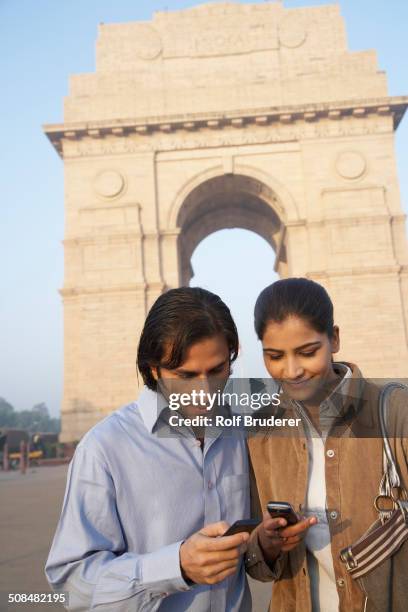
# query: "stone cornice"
390,106
78,291
117,237
368,271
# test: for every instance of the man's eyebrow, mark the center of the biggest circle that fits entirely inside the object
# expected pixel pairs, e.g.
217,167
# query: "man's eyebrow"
298,348
183,371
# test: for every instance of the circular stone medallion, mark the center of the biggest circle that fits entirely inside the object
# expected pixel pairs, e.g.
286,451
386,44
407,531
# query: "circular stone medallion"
350,164
292,32
147,42
109,183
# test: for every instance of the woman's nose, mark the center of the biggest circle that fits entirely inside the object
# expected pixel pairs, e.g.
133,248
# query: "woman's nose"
293,369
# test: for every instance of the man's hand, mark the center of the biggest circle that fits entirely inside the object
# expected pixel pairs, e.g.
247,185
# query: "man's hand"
208,559
275,536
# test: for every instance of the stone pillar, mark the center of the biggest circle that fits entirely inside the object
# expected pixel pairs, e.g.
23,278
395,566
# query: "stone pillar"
357,243
111,273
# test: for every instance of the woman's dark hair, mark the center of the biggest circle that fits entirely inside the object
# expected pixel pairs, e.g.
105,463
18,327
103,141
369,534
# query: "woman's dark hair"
298,297
178,319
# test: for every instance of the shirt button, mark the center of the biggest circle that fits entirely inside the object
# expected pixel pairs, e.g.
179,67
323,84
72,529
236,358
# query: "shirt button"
341,582
333,515
330,453
210,485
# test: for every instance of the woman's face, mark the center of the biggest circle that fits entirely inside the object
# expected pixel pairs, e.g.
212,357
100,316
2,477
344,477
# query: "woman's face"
300,358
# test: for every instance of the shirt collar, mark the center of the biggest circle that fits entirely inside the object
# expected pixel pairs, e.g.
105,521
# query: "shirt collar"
335,400
151,404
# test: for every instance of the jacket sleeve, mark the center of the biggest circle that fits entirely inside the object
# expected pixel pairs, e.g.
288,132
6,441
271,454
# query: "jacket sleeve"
88,558
255,563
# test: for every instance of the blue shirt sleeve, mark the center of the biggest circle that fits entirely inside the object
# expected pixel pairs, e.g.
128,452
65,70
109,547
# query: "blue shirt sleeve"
88,557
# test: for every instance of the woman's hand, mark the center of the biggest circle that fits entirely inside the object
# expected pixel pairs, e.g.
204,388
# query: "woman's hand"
275,536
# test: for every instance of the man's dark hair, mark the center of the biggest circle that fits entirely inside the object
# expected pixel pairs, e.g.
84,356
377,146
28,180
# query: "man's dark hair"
298,297
178,319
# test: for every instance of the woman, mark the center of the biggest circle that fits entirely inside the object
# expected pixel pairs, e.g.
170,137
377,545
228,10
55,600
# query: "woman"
332,467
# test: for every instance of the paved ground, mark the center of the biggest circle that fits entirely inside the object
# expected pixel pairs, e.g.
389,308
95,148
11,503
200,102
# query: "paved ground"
29,511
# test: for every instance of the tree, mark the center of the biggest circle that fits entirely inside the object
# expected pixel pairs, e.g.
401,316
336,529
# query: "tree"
36,419
8,416
41,409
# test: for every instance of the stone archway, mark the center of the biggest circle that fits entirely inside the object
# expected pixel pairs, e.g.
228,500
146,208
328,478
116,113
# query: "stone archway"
226,115
228,201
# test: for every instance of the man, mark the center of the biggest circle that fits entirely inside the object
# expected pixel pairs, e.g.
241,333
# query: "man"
147,502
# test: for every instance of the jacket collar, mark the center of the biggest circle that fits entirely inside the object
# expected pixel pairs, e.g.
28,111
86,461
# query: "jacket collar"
357,398
348,398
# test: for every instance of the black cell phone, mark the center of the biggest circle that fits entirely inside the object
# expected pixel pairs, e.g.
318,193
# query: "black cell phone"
247,525
282,510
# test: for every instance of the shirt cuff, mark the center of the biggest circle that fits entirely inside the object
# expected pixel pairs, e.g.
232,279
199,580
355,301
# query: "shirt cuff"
162,567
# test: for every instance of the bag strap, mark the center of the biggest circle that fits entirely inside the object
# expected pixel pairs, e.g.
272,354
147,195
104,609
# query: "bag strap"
390,463
390,482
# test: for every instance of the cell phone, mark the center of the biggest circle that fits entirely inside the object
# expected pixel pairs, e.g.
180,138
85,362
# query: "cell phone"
247,525
282,510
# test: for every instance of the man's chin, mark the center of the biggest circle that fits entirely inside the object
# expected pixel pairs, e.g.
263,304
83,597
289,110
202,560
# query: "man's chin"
196,411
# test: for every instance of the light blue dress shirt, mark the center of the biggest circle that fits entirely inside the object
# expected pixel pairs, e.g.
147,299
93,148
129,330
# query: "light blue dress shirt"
136,489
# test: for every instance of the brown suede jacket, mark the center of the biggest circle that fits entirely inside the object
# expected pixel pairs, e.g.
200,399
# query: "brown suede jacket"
353,473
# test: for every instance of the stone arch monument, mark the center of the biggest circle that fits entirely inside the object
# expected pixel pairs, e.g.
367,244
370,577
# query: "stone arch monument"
226,115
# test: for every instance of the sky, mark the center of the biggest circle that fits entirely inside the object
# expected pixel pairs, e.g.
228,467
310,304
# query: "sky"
43,42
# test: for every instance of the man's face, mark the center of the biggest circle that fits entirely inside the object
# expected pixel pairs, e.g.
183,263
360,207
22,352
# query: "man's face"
205,369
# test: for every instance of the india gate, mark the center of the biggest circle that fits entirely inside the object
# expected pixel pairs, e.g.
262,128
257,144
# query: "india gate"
226,115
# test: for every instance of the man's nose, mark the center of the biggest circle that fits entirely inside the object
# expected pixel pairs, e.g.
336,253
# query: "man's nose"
204,382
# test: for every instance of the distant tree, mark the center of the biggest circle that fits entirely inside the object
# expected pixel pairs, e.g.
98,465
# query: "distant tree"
54,426
41,409
36,419
27,420
8,416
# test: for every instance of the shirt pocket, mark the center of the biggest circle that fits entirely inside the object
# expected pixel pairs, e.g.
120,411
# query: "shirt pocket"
235,501
235,482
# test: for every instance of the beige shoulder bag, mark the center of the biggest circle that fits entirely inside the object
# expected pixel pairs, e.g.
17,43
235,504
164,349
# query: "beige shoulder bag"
387,534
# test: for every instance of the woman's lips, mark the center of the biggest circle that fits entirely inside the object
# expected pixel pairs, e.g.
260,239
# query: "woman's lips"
297,383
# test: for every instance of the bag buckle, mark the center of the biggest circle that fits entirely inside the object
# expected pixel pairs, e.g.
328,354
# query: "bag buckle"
385,503
346,555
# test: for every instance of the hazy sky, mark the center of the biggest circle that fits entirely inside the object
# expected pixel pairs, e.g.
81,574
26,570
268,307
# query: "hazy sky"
43,41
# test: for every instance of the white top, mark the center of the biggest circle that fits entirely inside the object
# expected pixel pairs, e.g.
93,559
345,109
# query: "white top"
320,563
